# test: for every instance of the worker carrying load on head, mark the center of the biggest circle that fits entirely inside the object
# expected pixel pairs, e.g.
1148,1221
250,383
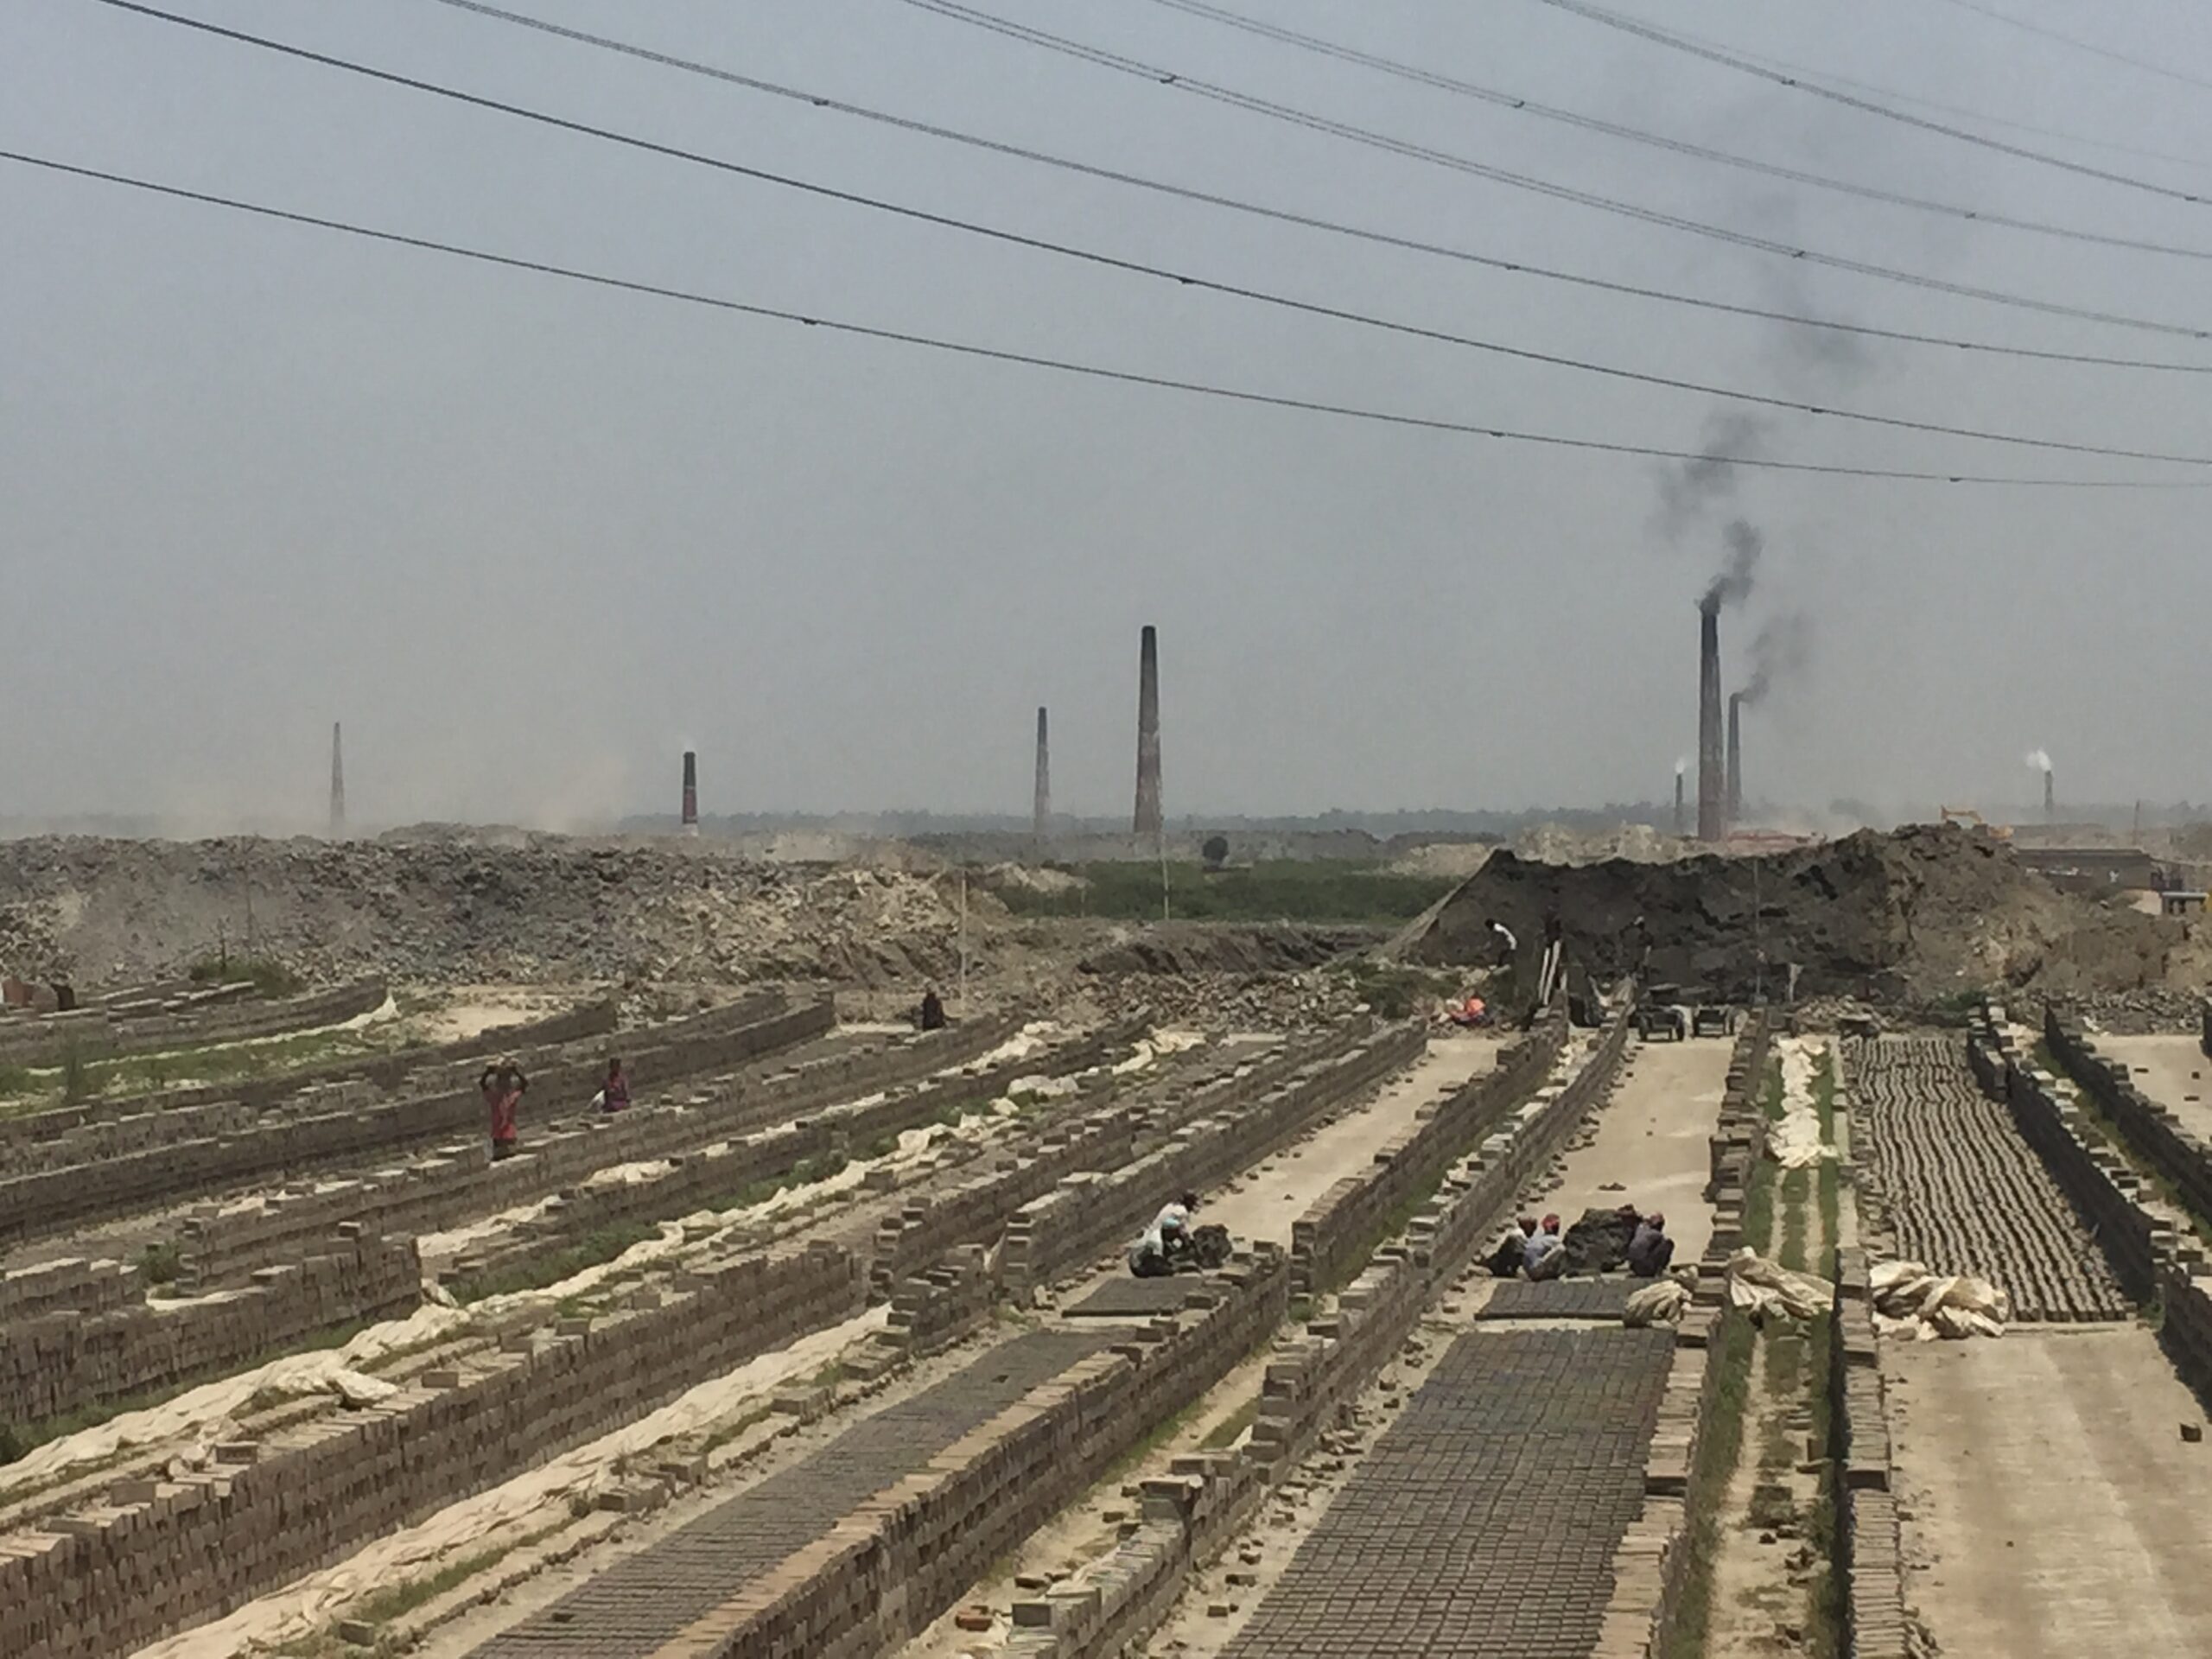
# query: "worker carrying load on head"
1154,1253
1650,1250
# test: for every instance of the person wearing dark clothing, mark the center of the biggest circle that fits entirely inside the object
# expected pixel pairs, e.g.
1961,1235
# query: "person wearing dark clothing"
932,1010
615,1096
1512,1252
1650,1250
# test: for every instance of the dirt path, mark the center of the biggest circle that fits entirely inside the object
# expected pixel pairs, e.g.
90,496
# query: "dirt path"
2172,1070
1653,1140
2051,1506
1263,1202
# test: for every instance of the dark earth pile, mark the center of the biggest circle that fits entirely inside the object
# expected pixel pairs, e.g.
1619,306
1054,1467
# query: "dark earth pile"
1916,915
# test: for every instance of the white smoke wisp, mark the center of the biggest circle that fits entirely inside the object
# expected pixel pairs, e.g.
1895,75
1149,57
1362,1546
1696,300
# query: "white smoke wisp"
2039,760
1681,765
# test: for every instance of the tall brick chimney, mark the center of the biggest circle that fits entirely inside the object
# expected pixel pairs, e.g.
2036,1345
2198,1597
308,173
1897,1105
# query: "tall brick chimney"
337,782
1041,821
1681,821
1148,821
690,792
1711,783
1735,807
2049,798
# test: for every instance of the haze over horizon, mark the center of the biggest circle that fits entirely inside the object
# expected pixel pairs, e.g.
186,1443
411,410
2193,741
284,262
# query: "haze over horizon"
530,539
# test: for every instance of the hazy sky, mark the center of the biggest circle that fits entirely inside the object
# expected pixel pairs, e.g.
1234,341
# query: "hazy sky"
530,539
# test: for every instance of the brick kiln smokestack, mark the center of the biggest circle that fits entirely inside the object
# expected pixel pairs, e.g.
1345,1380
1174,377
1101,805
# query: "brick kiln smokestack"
690,792
337,781
1711,783
1041,824
2050,799
1148,821
1680,824
1735,807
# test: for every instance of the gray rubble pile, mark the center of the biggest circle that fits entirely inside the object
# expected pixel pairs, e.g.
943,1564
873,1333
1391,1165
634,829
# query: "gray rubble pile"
458,909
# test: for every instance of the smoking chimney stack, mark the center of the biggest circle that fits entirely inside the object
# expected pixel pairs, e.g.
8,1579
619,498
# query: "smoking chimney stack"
690,792
1041,824
2049,798
1711,783
1680,823
337,782
1148,821
1735,811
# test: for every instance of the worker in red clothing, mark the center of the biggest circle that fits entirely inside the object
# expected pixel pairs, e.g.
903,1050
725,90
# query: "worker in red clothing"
502,1087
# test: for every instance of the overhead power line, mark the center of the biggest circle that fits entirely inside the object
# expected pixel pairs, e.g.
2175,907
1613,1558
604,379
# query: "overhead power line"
1980,117
1069,366
2079,45
1660,141
1307,221
1176,81
1743,65
1105,261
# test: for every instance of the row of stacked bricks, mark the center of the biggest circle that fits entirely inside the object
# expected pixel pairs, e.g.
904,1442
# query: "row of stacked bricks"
1054,1233
63,1359
2153,1256
1651,1564
174,1113
1310,1374
1342,1219
46,1199
163,1554
1867,1536
451,1183
1314,1375
884,1573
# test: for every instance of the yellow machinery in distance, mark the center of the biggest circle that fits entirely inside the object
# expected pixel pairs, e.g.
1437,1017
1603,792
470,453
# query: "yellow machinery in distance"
1973,820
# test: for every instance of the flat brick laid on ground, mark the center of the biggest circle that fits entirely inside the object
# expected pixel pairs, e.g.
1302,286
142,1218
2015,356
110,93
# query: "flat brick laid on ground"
1133,1297
1561,1299
636,1604
1483,1522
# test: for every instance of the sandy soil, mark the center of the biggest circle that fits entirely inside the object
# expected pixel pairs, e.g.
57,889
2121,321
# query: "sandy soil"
1262,1204
2172,1070
1653,1140
2050,1505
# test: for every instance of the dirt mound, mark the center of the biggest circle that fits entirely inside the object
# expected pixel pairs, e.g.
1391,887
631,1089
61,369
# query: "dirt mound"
439,908
1216,948
1916,915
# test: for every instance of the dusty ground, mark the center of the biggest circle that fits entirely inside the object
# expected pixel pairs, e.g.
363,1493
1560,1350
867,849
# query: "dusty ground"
1273,1194
2050,1507
1652,1140
2172,1070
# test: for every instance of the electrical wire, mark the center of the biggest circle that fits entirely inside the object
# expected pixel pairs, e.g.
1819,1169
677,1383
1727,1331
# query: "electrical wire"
1262,296
1070,366
2092,49
1892,94
1514,102
1869,106
1283,112
1308,222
